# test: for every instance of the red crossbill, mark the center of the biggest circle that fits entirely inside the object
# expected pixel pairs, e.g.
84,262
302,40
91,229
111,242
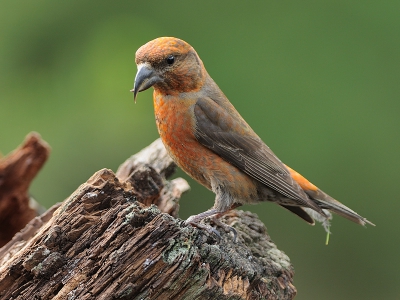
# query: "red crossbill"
210,141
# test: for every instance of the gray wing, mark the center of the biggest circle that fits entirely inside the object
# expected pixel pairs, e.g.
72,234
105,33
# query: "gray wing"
234,141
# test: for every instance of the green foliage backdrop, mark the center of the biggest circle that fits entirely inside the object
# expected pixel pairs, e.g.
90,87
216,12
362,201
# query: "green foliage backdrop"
317,80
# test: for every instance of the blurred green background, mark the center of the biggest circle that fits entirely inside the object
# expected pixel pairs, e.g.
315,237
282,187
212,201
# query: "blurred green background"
319,81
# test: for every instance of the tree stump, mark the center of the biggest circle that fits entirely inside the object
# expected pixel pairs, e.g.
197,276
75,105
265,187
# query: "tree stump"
117,237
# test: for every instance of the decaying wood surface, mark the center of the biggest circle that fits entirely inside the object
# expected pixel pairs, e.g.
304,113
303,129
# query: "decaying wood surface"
147,172
109,240
17,171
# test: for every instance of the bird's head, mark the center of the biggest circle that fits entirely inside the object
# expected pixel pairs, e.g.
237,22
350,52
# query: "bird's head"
170,65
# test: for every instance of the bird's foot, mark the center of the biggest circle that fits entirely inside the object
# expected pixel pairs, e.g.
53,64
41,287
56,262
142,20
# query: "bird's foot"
226,227
207,228
214,216
196,219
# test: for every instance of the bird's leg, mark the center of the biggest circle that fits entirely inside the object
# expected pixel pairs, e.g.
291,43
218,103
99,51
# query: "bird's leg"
215,214
193,220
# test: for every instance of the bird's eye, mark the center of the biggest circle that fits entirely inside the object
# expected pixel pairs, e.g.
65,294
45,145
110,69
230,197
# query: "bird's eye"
170,59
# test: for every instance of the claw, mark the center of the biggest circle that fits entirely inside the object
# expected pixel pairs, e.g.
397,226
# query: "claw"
226,227
207,228
233,230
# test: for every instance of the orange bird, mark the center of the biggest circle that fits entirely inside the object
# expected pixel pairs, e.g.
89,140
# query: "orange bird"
210,141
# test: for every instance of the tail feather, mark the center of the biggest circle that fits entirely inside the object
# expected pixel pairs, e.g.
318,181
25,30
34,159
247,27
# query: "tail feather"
343,211
325,201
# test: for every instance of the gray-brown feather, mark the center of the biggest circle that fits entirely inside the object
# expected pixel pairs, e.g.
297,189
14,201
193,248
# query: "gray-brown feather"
245,150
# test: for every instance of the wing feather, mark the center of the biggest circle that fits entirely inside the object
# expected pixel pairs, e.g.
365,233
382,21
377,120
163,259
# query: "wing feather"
233,140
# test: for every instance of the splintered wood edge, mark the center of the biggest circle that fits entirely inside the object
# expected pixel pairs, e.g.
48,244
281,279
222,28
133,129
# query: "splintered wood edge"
154,155
153,164
22,164
100,227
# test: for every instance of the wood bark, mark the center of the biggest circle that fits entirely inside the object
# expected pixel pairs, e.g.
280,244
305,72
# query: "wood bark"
117,237
17,171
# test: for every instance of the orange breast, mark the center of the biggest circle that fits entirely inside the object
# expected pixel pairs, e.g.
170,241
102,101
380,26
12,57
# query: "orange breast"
176,123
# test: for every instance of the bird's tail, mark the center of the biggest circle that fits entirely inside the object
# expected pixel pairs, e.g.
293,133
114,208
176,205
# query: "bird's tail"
325,201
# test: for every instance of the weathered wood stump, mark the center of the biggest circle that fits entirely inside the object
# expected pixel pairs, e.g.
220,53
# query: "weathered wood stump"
116,237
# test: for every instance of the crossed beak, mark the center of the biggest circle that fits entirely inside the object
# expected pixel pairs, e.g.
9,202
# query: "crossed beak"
145,78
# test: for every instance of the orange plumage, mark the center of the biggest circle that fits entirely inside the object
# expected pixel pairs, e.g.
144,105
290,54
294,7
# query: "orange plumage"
210,141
